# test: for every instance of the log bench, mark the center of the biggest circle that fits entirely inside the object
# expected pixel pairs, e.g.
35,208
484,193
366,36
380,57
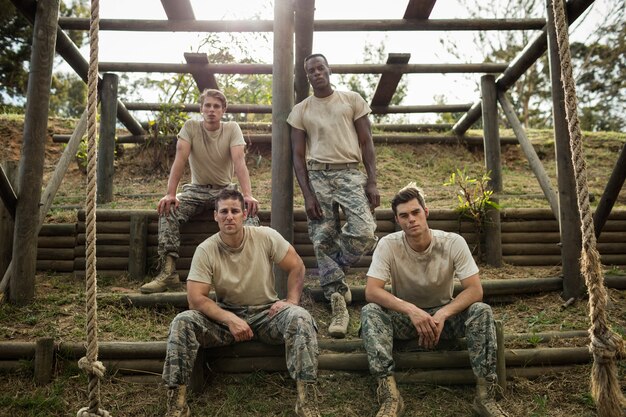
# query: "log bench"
448,364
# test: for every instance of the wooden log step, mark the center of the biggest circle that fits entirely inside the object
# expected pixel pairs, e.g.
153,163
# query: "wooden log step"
104,251
60,229
104,263
106,238
548,260
55,254
63,265
56,241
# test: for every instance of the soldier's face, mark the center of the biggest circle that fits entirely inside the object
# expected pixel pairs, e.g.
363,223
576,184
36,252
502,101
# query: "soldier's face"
318,73
229,215
212,110
411,217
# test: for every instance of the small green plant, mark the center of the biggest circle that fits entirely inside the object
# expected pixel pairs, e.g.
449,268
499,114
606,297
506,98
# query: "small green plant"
534,340
474,198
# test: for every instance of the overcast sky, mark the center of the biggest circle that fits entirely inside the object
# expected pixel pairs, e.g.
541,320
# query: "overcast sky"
339,47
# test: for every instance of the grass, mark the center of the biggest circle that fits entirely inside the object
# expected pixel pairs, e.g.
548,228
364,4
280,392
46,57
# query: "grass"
58,310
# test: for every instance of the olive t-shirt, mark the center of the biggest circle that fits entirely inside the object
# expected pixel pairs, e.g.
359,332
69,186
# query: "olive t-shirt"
240,276
426,278
210,160
329,125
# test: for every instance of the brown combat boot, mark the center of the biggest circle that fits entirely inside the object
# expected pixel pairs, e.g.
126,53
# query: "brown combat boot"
389,398
306,404
167,278
177,402
339,320
485,404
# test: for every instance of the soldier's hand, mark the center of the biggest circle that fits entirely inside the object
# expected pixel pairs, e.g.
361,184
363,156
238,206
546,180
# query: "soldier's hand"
426,327
278,306
167,204
372,195
240,329
252,205
313,208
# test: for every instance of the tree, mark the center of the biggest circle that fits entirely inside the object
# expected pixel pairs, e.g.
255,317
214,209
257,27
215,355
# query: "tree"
531,92
365,84
600,69
16,34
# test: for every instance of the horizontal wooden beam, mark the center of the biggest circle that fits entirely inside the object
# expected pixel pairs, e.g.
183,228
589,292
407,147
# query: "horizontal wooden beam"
482,68
368,25
258,108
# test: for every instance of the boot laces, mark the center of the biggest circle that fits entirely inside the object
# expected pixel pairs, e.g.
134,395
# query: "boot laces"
308,405
388,402
173,408
338,306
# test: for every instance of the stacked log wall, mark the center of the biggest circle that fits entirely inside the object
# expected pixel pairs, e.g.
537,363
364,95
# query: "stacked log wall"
530,237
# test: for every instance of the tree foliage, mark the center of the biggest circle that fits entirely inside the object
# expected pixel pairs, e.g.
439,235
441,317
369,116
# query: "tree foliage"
365,84
600,69
16,34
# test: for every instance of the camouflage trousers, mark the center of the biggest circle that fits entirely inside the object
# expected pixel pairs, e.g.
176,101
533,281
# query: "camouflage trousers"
292,326
339,246
379,326
193,200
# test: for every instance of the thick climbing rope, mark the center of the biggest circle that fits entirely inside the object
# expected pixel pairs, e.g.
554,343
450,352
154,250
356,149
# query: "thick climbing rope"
605,345
90,363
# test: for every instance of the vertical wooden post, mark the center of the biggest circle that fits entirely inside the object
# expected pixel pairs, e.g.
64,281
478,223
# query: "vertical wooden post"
305,11
106,143
138,248
491,227
6,220
282,96
44,360
500,356
569,220
22,281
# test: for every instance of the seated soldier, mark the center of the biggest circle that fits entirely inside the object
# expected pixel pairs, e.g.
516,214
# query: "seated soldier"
421,265
237,263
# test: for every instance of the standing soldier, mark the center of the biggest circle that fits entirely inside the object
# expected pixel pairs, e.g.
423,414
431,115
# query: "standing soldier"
331,135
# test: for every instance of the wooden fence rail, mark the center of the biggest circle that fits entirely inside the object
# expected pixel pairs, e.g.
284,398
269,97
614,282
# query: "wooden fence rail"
529,237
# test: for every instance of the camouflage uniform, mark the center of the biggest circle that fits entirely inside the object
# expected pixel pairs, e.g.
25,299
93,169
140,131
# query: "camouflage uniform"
193,200
293,326
336,246
379,326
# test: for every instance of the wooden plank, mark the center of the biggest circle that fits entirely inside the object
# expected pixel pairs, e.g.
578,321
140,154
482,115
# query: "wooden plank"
204,79
106,141
611,192
419,9
6,190
340,25
22,279
178,9
389,80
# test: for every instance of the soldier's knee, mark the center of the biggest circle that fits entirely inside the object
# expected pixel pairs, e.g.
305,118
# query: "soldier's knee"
184,319
481,310
370,310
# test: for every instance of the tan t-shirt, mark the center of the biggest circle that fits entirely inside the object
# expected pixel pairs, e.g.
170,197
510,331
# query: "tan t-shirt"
240,276
210,160
425,279
329,125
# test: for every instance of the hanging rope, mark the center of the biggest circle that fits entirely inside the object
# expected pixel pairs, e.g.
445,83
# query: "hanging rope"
89,363
605,345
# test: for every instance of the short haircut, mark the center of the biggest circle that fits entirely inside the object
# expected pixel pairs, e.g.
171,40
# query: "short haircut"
406,194
229,194
210,92
315,56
